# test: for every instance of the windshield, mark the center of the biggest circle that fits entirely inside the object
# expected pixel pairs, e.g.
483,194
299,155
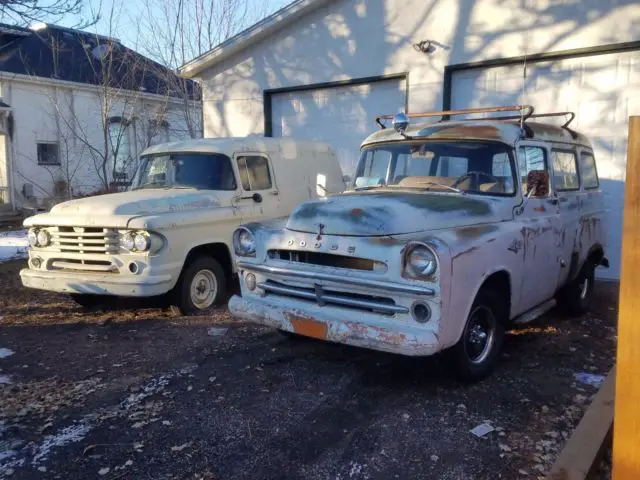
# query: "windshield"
483,168
204,171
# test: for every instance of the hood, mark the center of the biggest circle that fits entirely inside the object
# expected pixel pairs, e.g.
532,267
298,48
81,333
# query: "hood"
116,209
390,213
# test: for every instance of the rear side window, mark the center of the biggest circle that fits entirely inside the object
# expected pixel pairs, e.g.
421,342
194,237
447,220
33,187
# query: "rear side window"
565,170
588,171
254,173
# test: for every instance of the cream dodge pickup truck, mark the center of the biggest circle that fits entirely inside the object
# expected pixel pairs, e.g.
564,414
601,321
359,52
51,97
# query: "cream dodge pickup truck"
171,233
452,232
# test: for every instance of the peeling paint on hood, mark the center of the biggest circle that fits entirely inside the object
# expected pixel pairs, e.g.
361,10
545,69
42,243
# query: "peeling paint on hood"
390,213
116,209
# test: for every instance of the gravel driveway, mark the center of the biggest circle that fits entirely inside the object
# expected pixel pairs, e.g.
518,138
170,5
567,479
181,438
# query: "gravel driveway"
133,393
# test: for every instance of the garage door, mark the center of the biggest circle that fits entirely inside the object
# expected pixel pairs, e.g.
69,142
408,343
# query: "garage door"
341,116
602,90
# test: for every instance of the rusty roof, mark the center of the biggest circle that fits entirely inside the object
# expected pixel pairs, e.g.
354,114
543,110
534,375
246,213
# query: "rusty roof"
508,132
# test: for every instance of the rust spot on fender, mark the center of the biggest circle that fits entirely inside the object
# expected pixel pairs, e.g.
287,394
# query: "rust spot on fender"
308,327
475,231
465,252
384,240
357,212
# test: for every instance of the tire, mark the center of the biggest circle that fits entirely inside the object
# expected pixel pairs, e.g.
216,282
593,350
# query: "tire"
477,353
87,300
202,285
574,298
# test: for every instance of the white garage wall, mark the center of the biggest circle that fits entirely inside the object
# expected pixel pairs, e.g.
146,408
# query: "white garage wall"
602,90
340,116
347,39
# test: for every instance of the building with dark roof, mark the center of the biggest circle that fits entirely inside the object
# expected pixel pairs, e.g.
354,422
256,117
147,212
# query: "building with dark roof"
62,93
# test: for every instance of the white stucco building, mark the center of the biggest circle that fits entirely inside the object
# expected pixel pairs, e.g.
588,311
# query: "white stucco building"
77,109
323,69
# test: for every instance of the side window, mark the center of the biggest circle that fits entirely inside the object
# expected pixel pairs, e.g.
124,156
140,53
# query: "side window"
588,171
254,173
531,159
565,170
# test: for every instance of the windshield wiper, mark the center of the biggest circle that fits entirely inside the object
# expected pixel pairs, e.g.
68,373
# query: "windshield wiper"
368,187
443,185
150,185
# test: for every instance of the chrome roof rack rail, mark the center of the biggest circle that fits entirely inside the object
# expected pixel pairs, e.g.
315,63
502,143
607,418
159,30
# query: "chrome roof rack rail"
525,112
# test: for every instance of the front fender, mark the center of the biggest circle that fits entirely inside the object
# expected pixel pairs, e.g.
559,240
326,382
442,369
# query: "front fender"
476,253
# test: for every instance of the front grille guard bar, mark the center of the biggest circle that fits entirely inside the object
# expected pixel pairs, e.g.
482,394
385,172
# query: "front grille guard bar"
406,289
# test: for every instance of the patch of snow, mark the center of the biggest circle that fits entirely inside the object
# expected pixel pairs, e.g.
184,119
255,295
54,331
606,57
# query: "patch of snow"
5,380
10,459
13,245
6,352
71,434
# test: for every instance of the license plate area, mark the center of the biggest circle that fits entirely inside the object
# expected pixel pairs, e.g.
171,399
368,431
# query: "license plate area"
308,327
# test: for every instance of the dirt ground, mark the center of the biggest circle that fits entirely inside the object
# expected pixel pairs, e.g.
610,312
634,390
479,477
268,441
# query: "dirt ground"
131,393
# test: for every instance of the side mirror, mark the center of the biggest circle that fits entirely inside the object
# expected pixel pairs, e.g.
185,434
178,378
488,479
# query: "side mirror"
538,183
537,186
256,197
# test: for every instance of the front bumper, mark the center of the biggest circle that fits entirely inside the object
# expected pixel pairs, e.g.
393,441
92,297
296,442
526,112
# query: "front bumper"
95,283
333,324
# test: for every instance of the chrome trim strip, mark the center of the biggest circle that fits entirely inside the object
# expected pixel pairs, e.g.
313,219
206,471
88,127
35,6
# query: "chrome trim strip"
350,302
84,267
360,282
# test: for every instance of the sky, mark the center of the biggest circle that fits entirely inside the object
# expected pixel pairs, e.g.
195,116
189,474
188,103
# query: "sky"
129,14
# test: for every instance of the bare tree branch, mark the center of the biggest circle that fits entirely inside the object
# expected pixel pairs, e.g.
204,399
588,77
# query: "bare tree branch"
23,12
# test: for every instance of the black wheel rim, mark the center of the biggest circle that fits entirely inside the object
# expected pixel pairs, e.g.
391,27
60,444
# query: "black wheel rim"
480,334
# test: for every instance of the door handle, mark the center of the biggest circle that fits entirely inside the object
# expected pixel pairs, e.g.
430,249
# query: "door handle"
554,201
256,197
275,193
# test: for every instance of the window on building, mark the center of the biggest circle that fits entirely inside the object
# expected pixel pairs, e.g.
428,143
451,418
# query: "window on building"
588,171
565,170
48,153
530,159
119,146
254,173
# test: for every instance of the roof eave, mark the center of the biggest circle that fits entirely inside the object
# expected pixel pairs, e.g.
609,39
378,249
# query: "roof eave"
252,35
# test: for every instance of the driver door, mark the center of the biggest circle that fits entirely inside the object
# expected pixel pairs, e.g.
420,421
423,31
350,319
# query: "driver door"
537,242
258,199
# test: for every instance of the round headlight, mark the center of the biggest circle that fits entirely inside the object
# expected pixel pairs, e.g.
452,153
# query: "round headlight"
32,237
141,242
422,261
127,242
43,238
244,242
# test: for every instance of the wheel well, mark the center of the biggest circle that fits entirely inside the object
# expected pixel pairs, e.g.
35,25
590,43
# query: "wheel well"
500,282
219,251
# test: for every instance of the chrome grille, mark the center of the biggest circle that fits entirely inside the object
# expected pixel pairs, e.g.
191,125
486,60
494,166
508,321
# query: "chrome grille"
84,239
327,260
102,266
321,296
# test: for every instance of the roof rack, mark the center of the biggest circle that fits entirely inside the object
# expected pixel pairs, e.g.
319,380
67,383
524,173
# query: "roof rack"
525,112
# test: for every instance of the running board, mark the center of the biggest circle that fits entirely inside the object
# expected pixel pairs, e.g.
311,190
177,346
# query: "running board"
535,312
